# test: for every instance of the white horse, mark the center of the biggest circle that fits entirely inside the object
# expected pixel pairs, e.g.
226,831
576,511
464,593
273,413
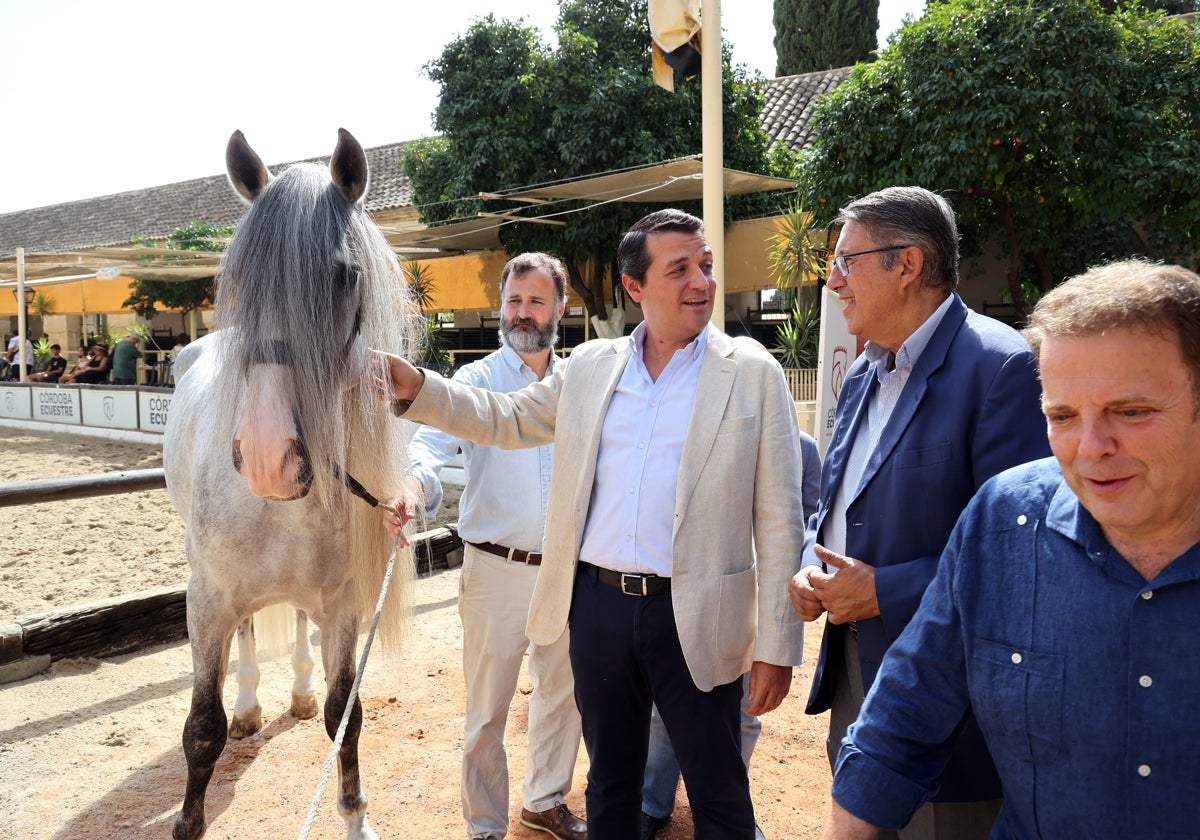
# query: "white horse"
274,418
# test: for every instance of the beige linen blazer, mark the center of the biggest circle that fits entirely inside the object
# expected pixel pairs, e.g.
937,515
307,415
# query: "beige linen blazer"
739,526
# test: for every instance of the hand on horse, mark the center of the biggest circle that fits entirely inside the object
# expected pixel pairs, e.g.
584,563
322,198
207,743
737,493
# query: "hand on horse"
410,500
399,380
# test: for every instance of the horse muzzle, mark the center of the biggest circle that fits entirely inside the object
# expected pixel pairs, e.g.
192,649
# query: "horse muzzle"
284,476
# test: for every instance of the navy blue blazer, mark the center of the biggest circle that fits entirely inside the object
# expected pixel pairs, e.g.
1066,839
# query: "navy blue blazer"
970,409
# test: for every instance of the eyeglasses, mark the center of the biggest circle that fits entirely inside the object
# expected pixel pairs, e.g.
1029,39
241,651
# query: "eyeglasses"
841,262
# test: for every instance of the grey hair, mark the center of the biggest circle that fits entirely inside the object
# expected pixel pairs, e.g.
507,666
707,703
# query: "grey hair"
911,216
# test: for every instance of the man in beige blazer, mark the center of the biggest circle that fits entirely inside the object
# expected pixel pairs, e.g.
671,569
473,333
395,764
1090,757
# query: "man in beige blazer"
674,525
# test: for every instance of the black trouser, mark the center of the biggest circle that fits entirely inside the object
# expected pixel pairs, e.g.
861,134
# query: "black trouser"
625,653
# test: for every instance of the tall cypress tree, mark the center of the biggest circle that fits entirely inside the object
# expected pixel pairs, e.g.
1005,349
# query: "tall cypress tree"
820,34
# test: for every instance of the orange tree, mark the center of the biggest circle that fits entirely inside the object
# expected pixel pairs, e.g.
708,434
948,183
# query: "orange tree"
1069,134
514,112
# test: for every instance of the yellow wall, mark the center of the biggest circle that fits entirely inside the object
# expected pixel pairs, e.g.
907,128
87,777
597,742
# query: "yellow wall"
73,298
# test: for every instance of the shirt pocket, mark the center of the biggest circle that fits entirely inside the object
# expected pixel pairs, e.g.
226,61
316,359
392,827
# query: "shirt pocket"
1017,693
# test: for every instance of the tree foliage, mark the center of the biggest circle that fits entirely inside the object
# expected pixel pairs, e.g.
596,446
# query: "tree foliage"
514,112
1071,135
821,34
185,295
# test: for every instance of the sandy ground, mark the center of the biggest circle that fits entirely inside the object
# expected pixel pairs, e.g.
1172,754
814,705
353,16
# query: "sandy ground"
90,749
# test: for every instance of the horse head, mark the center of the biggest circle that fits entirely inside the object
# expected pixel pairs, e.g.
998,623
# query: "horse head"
294,286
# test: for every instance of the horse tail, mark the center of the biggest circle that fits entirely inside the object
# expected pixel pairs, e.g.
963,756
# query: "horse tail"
275,630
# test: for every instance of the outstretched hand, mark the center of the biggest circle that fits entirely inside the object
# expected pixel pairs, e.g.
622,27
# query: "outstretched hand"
403,508
401,380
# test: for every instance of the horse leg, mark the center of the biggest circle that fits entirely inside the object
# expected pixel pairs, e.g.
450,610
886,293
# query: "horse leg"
247,713
204,731
304,695
337,652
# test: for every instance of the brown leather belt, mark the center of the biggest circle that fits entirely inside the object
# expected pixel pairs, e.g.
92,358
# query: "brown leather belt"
627,582
512,555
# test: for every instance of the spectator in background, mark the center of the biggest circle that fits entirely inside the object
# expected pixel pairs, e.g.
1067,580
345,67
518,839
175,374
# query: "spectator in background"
96,369
124,360
12,355
56,365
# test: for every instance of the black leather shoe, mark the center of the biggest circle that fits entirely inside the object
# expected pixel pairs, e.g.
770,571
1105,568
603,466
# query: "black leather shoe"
651,825
558,822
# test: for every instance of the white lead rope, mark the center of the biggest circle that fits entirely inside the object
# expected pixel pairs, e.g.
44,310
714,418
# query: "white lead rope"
358,674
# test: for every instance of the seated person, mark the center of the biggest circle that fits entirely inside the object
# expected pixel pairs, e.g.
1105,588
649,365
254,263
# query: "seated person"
54,368
96,370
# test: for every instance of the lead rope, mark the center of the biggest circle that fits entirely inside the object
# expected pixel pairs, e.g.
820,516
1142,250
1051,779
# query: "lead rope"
358,673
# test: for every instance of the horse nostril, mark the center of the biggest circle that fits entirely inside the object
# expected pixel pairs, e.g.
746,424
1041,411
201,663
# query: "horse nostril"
237,456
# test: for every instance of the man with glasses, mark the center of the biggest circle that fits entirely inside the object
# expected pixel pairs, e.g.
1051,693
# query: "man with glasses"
941,400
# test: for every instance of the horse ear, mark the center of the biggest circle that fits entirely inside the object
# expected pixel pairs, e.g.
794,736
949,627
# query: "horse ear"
246,170
348,166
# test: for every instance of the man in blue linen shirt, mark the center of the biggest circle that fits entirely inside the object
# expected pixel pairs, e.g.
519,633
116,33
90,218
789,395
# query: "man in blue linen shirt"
1064,609
502,513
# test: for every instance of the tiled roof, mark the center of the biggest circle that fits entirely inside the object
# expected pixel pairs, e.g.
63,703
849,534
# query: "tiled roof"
791,101
154,212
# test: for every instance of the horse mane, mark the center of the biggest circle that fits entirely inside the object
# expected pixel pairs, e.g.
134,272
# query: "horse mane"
277,288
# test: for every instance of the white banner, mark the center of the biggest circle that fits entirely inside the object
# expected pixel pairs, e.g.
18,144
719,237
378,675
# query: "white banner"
837,351
113,409
14,402
153,408
56,405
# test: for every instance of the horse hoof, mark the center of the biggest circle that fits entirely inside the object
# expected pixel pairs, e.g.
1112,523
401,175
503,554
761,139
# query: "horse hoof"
246,724
304,706
185,830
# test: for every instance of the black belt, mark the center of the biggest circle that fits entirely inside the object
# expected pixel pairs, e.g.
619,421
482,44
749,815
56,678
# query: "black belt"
513,555
627,582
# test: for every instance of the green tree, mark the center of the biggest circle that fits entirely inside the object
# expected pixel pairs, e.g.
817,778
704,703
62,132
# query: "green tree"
821,34
1171,7
1069,135
185,295
514,112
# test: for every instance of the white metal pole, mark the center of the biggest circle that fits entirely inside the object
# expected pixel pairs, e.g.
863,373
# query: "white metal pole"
22,318
713,168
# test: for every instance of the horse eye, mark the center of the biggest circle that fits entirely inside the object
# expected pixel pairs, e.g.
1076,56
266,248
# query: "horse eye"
345,276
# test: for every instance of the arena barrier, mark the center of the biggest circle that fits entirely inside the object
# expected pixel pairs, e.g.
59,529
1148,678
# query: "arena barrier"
129,623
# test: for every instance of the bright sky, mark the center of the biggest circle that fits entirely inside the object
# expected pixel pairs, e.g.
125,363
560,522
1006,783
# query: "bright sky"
99,98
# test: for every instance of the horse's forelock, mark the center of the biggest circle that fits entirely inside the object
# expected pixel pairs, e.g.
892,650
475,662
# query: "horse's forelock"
278,284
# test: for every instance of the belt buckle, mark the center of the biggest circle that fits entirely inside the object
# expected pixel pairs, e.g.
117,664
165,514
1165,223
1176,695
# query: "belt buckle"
626,577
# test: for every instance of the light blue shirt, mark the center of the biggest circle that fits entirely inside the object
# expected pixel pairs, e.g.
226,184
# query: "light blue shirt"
631,517
879,410
506,493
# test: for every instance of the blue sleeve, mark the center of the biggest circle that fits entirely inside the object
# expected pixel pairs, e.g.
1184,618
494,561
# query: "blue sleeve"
896,750
431,449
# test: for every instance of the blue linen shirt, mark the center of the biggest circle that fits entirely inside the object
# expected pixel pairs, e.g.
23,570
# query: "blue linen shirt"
496,478
1083,676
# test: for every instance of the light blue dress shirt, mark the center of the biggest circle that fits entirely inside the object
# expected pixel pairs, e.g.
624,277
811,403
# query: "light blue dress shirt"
631,517
496,478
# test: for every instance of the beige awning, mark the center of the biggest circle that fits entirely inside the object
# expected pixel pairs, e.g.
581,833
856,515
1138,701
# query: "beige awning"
664,183
480,234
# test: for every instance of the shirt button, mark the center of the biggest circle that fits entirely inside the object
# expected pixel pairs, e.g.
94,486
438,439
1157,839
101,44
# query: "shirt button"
1146,596
628,538
1017,658
1021,520
1144,681
1143,770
